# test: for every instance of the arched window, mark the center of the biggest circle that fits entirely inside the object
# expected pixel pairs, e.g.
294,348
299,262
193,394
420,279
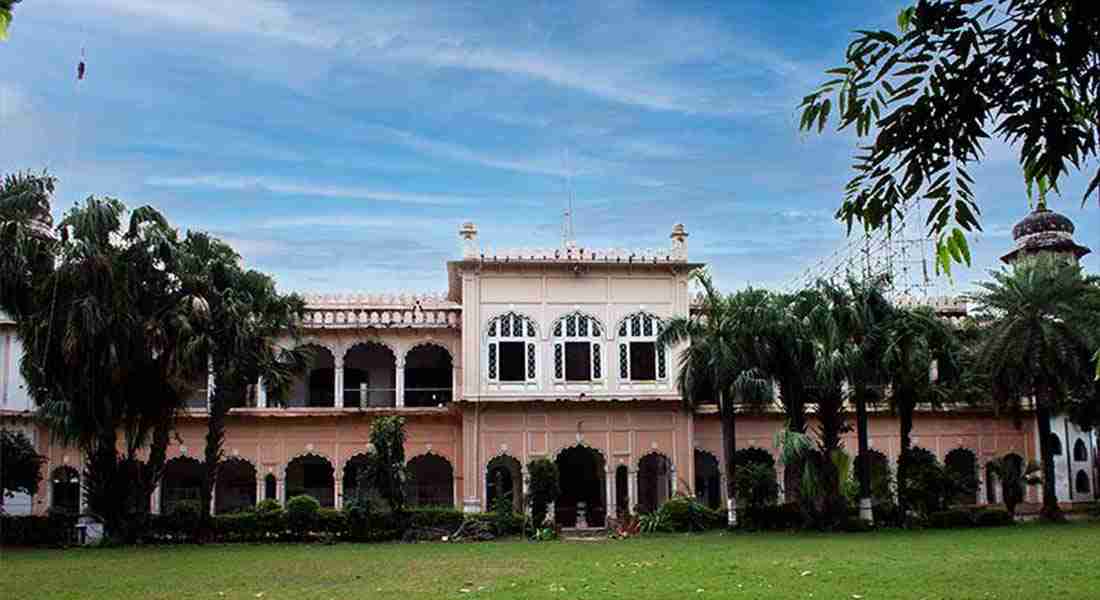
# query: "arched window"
1080,453
504,479
1055,444
654,482
708,480
1081,486
236,486
271,489
431,481
311,475
640,357
578,355
511,354
65,485
181,481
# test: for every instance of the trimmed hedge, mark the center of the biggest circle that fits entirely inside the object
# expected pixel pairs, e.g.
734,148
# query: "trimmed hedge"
771,517
959,518
55,529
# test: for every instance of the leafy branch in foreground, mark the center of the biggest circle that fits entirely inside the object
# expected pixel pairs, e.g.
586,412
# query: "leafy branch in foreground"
5,16
923,102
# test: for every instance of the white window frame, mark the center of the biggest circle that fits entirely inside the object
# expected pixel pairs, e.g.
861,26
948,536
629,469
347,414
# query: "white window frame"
494,335
568,329
641,326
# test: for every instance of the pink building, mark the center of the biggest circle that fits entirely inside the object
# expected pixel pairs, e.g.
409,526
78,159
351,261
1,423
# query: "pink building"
530,353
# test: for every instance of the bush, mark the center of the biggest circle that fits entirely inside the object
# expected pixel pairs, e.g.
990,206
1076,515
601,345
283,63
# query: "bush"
753,455
684,513
436,518
56,529
301,514
773,517
510,525
270,519
951,519
238,527
928,486
756,484
332,521
545,487
993,517
185,517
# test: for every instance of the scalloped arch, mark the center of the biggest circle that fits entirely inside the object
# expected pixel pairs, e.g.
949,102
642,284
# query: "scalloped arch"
431,454
581,444
639,313
655,452
578,313
428,343
534,323
394,351
344,463
305,454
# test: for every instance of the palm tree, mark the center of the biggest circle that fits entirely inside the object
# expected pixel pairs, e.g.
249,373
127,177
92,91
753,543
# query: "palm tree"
1041,320
235,336
917,342
101,315
720,362
5,17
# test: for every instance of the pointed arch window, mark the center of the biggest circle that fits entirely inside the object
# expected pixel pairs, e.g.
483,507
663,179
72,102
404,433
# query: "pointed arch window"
641,358
511,353
578,353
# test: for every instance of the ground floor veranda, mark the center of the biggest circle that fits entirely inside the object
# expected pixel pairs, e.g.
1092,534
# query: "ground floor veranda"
610,455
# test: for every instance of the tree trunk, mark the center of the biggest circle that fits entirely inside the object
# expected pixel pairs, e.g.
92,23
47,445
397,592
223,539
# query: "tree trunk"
905,422
1050,511
863,460
215,440
729,448
796,423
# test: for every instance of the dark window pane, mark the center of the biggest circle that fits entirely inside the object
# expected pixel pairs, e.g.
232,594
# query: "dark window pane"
643,361
512,361
578,361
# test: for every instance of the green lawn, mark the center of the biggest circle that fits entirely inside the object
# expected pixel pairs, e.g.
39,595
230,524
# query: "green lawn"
1027,561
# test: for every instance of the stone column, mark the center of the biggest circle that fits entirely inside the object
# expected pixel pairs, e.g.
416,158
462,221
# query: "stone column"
261,488
674,483
399,383
154,500
526,490
280,490
213,499
261,394
338,493
609,480
632,488
338,400
209,384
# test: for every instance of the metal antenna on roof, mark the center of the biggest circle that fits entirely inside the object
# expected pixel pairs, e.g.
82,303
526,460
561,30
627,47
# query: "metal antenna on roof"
568,239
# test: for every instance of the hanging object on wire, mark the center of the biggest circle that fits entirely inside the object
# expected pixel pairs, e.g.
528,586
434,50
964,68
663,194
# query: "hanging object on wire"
81,67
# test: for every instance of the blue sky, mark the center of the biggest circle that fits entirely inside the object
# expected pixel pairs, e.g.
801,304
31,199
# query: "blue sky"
339,146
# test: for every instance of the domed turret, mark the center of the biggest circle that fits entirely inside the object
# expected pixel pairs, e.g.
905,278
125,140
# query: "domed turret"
1044,230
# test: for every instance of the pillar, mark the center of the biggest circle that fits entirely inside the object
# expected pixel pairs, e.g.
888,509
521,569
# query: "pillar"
261,394
338,400
261,489
673,483
154,500
399,383
632,488
609,481
338,493
213,499
526,489
280,490
209,384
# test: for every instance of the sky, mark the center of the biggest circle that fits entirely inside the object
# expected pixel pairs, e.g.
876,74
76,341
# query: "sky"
339,145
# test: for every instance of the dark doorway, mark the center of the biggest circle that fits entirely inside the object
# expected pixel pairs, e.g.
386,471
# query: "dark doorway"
582,480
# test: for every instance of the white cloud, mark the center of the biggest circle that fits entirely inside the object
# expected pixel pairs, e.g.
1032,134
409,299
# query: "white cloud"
299,188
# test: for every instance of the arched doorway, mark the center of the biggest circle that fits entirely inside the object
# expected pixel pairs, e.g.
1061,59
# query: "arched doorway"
962,464
582,481
271,488
1015,463
65,490
1081,485
352,469
504,478
236,487
654,482
181,481
370,376
429,376
311,475
317,387
708,479
431,481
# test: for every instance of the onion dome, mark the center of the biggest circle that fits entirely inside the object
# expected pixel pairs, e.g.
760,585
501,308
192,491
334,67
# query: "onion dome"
1044,230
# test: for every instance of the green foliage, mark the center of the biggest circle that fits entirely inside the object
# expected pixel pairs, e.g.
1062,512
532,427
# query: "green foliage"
928,486
545,487
993,517
1014,477
385,473
301,514
967,517
924,100
754,455
685,513
185,517
55,529
653,522
5,17
771,517
756,484
20,463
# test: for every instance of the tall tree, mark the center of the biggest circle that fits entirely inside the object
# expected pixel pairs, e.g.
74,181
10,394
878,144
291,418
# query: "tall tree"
917,343
1042,319
236,336
103,318
20,465
719,363
923,101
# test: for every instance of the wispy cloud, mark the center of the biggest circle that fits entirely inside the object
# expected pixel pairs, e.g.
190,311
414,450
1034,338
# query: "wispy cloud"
302,188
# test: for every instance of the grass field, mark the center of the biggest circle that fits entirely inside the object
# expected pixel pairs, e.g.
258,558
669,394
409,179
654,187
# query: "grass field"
1027,561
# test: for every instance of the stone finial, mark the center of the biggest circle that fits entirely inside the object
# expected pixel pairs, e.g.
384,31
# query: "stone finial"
679,241
468,234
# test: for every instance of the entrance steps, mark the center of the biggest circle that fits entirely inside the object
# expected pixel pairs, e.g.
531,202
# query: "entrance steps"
583,534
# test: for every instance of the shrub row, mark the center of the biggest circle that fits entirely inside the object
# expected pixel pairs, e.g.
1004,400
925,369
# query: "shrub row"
56,529
969,517
304,520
